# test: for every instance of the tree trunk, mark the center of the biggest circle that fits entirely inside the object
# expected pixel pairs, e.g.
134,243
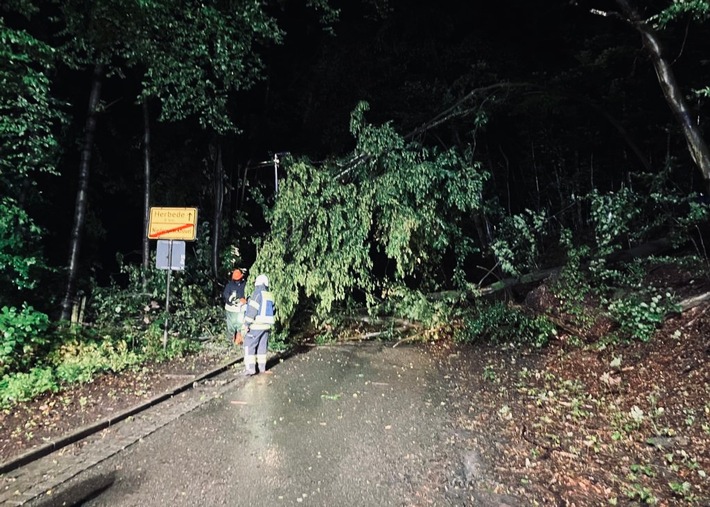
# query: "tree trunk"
146,191
655,247
672,92
217,218
82,192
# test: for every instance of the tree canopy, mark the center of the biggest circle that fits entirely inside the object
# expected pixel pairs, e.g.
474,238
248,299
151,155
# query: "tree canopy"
490,131
29,121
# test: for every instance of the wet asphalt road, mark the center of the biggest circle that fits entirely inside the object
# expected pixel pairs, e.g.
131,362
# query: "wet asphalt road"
350,425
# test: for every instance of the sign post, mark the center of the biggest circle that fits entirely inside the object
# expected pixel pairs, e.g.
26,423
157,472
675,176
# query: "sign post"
167,225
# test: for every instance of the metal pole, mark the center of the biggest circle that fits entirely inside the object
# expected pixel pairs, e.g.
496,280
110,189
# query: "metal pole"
167,295
276,174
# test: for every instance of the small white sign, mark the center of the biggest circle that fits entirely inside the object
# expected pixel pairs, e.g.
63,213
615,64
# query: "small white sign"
170,255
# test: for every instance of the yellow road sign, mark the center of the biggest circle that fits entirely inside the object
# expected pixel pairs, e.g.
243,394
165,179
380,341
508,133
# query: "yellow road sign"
173,223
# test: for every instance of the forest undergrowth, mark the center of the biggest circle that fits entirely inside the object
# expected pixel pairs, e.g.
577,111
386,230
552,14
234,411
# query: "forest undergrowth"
603,422
592,420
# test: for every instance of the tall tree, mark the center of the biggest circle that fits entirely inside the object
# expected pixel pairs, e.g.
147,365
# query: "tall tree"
29,116
218,189
82,193
672,91
193,55
146,189
194,76
96,35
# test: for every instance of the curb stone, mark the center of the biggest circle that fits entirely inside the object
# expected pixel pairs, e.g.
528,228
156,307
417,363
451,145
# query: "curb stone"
37,480
41,470
95,427
41,477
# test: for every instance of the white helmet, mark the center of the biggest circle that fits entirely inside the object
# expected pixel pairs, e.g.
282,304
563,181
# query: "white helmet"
261,280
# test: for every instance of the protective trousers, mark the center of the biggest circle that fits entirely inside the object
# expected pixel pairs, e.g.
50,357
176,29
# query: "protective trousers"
256,343
234,323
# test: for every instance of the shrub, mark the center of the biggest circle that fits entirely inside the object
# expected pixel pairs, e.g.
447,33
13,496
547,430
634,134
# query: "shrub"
77,361
132,311
639,314
518,239
152,346
20,387
499,323
23,334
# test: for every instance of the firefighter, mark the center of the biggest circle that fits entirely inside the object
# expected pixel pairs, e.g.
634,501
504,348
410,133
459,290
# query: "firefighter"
234,305
258,321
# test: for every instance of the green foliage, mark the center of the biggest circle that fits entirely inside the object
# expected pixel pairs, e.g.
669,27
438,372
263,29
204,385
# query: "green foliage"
516,246
642,493
23,7
28,113
324,338
697,10
572,285
502,324
401,203
80,356
317,247
194,75
28,116
192,55
328,13
655,209
128,312
637,310
613,217
19,250
619,220
421,198
682,490
23,336
26,386
639,314
414,305
80,361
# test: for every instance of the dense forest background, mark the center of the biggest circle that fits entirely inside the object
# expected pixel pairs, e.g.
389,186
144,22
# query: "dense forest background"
419,148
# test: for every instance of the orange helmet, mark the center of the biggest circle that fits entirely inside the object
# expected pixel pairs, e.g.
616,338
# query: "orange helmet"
237,274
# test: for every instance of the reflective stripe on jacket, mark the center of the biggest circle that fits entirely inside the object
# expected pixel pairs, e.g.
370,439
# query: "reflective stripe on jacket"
260,311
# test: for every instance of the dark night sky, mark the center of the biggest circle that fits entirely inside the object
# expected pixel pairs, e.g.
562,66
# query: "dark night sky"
408,66
315,80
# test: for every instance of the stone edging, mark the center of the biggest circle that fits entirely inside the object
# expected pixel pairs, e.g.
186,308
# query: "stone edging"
89,429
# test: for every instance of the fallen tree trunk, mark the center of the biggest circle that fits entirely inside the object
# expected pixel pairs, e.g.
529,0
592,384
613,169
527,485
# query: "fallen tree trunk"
689,303
650,248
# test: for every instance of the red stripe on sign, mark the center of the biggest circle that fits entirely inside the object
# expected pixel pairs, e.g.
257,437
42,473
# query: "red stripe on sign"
168,231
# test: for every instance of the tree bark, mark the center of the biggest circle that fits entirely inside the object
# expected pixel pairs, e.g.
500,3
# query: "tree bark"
217,218
694,301
146,191
674,97
82,192
655,247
